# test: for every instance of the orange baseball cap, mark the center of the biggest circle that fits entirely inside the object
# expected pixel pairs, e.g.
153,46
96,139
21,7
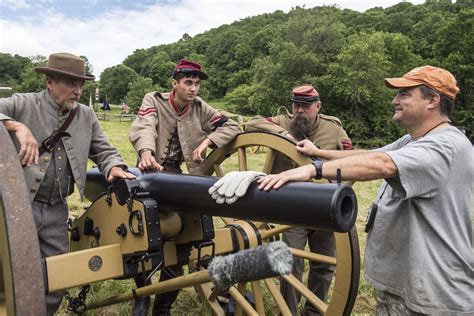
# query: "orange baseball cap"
436,78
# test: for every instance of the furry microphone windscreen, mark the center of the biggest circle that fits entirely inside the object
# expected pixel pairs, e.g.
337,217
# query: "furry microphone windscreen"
265,261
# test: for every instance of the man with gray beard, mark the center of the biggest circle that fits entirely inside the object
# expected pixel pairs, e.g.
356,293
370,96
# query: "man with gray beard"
325,132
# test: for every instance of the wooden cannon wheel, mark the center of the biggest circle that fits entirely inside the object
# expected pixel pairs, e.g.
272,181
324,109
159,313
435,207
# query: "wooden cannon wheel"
347,261
21,277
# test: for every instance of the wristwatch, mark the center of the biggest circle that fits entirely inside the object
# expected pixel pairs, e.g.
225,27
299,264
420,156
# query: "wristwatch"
318,166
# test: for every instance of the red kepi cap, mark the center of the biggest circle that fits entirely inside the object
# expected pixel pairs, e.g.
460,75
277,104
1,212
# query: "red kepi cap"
186,66
305,94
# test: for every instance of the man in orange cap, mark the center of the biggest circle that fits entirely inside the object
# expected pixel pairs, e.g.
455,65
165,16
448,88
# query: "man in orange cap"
418,253
326,132
172,128
68,134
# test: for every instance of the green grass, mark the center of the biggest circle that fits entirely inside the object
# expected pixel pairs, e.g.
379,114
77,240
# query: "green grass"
188,303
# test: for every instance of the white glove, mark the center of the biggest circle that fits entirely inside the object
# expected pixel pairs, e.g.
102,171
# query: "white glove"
233,185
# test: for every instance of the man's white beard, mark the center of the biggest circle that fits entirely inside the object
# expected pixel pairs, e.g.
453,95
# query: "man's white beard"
69,105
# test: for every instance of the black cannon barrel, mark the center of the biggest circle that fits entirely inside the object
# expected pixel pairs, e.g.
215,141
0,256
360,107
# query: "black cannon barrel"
330,207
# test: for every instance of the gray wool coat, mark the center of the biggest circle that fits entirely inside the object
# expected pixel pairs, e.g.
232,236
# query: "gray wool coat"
42,116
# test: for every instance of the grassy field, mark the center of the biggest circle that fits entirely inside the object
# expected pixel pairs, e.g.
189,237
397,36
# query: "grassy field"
188,302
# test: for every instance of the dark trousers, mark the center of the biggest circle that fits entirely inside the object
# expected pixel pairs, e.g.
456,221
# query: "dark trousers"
163,301
320,275
51,224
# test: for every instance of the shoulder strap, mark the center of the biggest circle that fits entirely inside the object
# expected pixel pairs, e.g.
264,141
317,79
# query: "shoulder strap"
49,143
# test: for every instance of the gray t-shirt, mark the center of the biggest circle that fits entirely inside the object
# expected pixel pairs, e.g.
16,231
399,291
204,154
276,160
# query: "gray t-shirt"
420,244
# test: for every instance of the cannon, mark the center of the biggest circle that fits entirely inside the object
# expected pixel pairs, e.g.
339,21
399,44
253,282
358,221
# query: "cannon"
138,227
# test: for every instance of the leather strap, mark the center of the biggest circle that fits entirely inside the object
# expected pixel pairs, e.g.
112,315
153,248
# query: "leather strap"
49,143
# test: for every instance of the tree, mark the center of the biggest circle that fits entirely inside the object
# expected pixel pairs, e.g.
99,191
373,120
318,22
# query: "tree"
114,82
239,98
11,69
277,74
425,33
185,37
454,52
161,69
356,90
228,54
31,81
398,49
88,65
137,90
88,92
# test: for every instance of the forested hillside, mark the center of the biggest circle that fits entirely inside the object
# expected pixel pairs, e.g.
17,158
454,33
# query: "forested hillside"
254,63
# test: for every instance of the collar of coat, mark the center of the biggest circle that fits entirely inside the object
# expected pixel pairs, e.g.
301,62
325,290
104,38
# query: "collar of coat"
175,107
169,96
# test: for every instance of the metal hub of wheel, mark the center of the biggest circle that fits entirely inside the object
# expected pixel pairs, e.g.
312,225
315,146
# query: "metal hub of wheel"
21,277
347,260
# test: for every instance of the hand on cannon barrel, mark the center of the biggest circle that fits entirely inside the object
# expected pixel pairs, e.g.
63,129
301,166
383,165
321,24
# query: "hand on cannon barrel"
233,185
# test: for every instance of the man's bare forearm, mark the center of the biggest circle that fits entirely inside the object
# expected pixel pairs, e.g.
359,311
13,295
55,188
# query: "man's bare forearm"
338,154
362,167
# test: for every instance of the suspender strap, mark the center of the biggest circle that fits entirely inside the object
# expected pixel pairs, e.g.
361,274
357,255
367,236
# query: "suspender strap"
49,143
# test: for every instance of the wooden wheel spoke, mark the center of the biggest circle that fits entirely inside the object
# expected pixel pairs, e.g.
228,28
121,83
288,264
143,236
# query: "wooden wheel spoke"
304,291
258,296
241,303
219,171
274,231
242,159
315,257
205,290
278,297
269,161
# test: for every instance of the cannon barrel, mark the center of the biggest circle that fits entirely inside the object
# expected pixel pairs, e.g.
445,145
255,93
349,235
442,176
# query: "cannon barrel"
331,207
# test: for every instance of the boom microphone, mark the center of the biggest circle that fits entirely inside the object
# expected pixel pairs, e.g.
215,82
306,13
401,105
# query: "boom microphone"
265,261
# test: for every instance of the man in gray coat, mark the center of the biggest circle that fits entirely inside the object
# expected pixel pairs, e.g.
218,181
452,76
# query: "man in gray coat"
52,167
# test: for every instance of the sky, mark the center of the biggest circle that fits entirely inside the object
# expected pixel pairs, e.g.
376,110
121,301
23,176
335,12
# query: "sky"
107,31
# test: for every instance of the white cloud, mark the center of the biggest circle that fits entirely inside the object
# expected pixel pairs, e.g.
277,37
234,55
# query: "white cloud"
107,38
15,4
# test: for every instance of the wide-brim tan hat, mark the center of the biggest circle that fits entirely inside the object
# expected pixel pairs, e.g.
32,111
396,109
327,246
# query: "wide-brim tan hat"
67,65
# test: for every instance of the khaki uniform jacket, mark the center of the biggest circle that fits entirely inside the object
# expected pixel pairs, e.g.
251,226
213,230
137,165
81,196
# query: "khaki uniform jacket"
41,115
157,121
327,133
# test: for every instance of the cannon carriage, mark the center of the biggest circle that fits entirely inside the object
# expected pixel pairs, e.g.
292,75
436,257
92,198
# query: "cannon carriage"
141,226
